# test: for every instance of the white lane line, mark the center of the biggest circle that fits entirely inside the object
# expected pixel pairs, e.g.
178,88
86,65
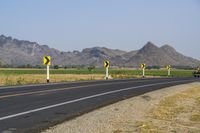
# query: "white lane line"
84,98
23,93
75,82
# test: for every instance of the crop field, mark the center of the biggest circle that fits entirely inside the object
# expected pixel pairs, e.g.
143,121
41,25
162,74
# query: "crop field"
11,76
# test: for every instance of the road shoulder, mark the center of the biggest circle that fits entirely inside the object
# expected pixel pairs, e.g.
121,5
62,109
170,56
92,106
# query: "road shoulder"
173,109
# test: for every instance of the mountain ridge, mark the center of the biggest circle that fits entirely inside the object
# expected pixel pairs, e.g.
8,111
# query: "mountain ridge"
21,52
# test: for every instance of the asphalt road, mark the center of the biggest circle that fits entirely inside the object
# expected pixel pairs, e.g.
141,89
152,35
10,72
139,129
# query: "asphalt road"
34,108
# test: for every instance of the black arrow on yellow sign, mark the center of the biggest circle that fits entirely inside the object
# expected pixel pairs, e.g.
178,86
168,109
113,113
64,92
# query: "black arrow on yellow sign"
106,64
47,60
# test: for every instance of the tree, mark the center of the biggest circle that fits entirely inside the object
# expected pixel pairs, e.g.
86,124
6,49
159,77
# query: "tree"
56,67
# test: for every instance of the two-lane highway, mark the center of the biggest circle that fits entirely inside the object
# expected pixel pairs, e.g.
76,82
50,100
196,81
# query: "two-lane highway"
36,107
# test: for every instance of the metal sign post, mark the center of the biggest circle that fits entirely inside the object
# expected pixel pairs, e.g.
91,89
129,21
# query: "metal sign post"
48,74
143,74
106,72
169,72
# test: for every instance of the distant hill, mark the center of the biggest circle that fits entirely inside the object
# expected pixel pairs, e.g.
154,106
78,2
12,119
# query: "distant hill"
155,56
19,52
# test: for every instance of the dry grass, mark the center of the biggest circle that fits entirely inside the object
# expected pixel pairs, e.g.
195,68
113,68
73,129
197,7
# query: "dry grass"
198,101
7,80
24,79
147,127
179,112
195,117
118,131
184,102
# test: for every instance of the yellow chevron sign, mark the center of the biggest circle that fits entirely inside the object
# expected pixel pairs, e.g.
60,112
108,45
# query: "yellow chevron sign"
168,67
198,68
47,60
106,64
143,66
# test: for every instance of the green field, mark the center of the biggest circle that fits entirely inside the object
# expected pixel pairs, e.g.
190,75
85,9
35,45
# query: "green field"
11,76
174,73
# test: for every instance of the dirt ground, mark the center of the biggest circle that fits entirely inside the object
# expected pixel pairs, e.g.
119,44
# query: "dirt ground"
170,110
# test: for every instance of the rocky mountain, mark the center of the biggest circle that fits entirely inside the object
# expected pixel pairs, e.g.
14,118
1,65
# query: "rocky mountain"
19,52
153,55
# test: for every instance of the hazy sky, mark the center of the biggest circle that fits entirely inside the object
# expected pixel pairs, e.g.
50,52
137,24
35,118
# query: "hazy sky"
70,25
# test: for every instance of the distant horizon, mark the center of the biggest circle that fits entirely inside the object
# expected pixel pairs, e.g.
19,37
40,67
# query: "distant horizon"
116,24
98,46
142,45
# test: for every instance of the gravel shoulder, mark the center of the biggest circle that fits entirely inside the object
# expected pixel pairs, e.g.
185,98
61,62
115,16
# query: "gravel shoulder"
175,109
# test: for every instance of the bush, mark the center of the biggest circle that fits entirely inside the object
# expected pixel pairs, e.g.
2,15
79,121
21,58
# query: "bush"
153,67
91,68
56,67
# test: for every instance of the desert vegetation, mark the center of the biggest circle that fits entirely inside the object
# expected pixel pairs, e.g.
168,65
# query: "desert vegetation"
21,76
